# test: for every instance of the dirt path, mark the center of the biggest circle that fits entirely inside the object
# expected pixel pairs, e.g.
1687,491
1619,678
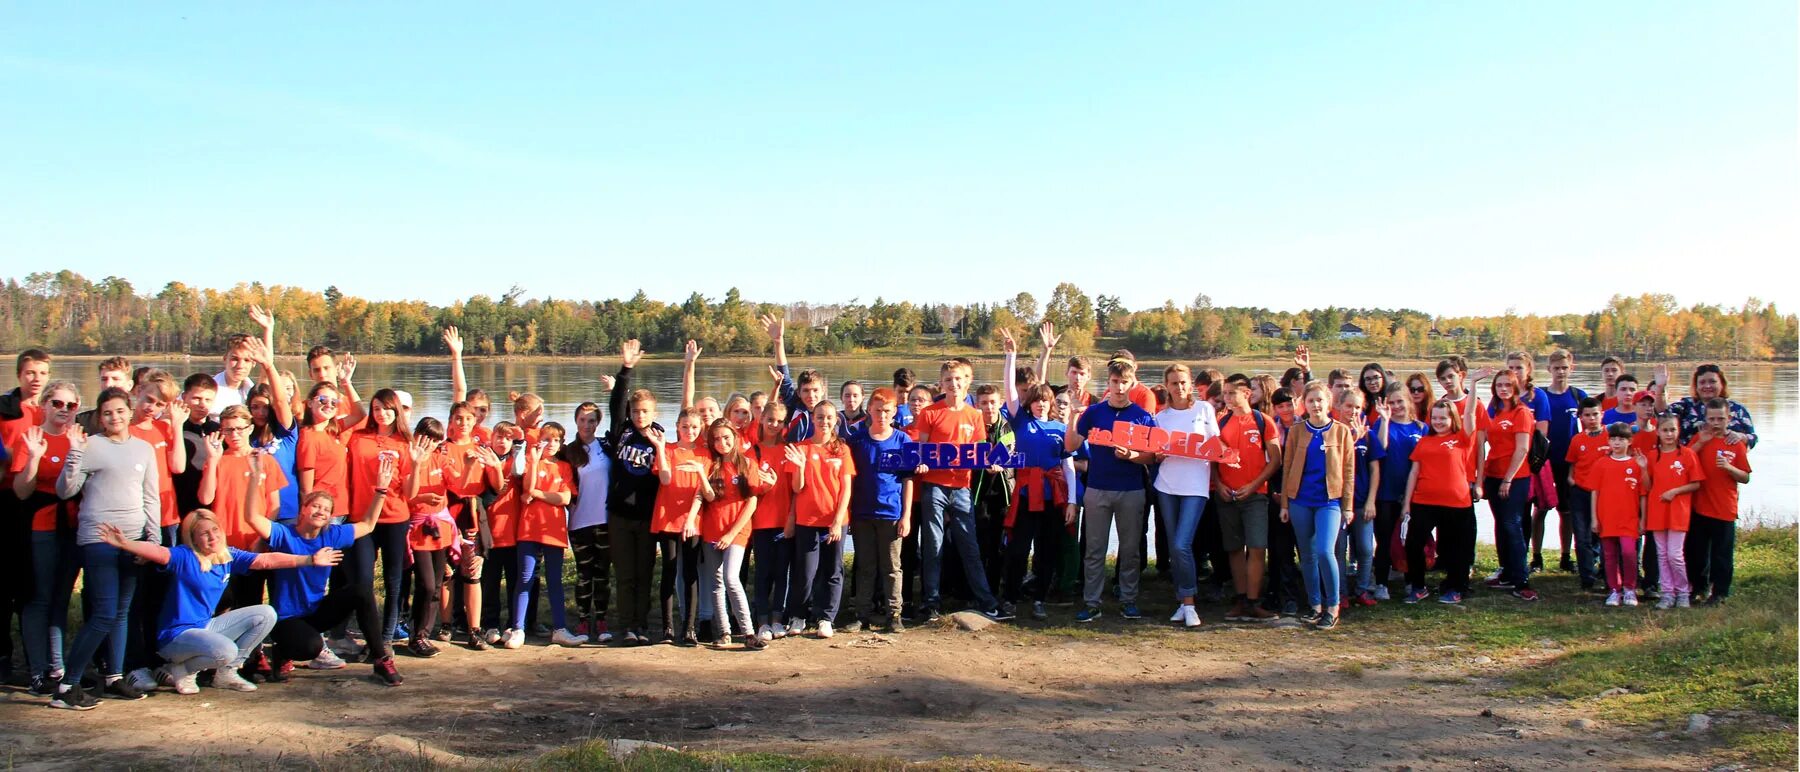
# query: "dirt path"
1153,699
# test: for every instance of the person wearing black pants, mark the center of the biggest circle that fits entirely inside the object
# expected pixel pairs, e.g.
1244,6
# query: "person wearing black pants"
1455,527
1708,548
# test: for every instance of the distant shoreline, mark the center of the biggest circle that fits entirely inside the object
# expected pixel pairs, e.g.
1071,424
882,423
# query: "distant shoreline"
902,357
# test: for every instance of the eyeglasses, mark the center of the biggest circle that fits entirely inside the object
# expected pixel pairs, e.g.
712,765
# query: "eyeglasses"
57,404
235,429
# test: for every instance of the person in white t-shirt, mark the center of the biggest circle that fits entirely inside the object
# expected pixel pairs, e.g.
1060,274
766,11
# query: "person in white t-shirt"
234,381
1182,483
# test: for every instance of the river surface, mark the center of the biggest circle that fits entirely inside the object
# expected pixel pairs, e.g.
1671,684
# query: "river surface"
1769,391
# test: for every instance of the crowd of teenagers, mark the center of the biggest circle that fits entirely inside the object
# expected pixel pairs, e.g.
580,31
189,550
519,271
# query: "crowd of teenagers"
226,528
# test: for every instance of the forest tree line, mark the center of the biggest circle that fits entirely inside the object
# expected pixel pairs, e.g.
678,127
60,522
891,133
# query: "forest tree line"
65,312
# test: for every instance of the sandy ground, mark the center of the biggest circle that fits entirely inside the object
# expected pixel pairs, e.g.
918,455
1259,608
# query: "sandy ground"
1155,698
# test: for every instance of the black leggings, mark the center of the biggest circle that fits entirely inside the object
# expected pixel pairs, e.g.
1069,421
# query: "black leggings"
680,557
593,561
1455,528
1032,532
1387,517
297,639
428,582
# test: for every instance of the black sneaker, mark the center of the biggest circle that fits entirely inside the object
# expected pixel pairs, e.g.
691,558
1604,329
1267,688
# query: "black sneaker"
122,689
1310,615
74,698
387,673
1004,613
1326,622
420,646
894,625
43,686
1567,565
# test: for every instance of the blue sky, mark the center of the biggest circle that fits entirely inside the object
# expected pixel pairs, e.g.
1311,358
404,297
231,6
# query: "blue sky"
1280,155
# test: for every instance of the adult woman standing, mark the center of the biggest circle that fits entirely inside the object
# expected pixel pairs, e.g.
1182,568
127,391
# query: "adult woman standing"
383,435
1182,484
37,462
1418,390
1372,382
1318,489
1506,483
116,477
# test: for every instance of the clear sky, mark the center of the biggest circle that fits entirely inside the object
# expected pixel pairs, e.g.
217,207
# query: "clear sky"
1534,155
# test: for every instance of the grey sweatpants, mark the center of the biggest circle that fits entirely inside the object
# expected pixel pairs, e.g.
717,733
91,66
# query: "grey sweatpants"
1103,509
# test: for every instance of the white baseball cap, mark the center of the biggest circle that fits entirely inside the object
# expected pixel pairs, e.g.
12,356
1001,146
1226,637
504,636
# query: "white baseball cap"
405,398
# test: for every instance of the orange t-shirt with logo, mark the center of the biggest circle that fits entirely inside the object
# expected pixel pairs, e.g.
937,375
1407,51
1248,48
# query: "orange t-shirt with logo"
229,481
1482,421
1239,432
1446,467
365,451
957,424
828,470
1585,450
675,498
324,453
772,506
733,496
1503,440
162,438
1621,487
56,454
503,514
542,521
1718,494
1669,470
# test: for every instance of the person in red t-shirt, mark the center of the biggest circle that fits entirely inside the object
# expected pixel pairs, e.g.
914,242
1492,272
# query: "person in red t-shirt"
1586,449
771,535
1712,532
382,435
1619,487
1505,480
546,487
1441,490
230,461
948,514
732,484
1675,474
38,455
823,469
1241,496
681,467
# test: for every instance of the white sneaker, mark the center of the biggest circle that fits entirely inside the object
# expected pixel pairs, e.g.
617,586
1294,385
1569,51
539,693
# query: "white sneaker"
1495,575
1190,617
327,660
825,629
1179,615
142,680
1665,602
766,633
227,678
1630,598
1682,601
188,684
1381,592
606,636
563,637
492,636
1612,598
514,639
796,626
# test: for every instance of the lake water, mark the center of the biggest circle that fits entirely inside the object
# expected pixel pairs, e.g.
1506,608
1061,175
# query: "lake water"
1769,391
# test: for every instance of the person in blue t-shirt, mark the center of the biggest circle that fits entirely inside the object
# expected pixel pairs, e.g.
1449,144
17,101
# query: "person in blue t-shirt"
189,638
1115,493
1398,433
880,513
1564,403
1356,542
304,609
1041,507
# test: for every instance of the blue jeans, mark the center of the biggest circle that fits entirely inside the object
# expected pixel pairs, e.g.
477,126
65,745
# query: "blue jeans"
948,515
1356,548
774,557
1578,508
226,641
54,564
1509,529
109,577
532,556
816,579
1316,529
1181,518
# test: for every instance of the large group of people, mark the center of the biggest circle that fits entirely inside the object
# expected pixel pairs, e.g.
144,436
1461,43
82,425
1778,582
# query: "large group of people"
227,529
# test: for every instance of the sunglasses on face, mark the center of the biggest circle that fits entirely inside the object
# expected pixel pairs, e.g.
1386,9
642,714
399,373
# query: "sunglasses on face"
1416,389
326,401
57,404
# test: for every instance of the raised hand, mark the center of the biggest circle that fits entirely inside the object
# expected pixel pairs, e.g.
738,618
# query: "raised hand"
487,456
793,455
775,326
77,437
607,382
260,354
1007,343
630,352
1047,334
215,447
35,444
178,413
386,471
1303,358
453,341
422,448
262,318
346,367
1481,374
690,352
1381,410
656,438
1660,374
775,374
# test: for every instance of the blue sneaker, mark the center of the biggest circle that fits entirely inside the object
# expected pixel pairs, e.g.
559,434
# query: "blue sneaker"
1088,614
401,633
1452,597
1131,611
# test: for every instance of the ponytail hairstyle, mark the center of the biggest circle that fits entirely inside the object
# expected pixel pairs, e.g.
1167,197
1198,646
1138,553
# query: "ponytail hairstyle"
575,453
732,462
1529,387
525,403
777,408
